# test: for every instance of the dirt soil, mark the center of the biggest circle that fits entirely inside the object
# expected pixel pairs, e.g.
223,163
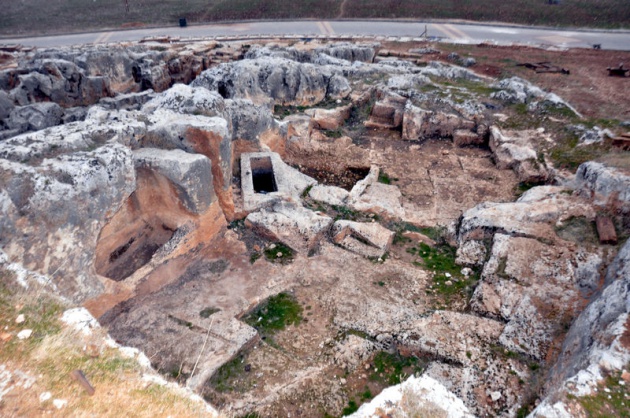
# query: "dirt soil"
588,87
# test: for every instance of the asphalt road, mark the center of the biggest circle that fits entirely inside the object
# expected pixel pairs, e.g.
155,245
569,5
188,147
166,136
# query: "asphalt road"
462,33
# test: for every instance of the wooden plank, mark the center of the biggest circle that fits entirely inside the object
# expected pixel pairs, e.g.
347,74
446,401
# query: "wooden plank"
606,230
80,377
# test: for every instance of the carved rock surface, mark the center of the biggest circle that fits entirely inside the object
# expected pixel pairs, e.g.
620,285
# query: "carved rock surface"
192,173
367,239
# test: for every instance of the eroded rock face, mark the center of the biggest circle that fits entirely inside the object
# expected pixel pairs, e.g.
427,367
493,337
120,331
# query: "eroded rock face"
279,80
54,208
517,90
82,76
596,345
339,53
604,185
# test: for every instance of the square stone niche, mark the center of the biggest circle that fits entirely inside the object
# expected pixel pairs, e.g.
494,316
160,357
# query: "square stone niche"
266,180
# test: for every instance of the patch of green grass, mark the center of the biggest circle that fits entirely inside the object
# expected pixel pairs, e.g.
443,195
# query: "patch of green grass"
523,411
279,253
476,87
41,313
254,256
237,224
344,212
448,282
384,178
569,156
559,111
231,376
105,367
336,133
436,233
609,401
351,408
602,123
366,394
307,191
206,312
181,322
283,111
356,332
391,369
275,314
400,228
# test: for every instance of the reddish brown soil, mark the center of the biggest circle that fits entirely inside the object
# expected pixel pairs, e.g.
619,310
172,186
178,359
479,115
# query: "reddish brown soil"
588,87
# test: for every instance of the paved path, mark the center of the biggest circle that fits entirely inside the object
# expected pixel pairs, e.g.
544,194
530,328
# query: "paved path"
465,33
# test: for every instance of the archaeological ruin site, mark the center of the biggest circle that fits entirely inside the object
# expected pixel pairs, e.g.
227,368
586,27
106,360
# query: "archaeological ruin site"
311,228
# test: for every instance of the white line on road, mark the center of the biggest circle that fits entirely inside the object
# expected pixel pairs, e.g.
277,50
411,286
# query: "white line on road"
459,34
329,28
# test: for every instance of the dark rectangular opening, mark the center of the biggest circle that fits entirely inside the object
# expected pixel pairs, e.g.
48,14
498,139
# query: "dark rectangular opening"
262,175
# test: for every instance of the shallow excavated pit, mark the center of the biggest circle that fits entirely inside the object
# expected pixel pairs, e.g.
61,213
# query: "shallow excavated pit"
148,220
344,177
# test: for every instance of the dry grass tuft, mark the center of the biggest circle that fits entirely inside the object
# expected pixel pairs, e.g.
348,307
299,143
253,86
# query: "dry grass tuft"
54,351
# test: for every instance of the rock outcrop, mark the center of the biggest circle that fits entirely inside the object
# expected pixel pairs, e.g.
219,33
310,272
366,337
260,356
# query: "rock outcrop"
516,150
282,81
528,265
416,396
606,186
596,344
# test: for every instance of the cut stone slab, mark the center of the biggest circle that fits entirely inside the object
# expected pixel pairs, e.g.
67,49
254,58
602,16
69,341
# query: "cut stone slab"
267,180
332,195
331,119
191,173
298,227
368,195
366,239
